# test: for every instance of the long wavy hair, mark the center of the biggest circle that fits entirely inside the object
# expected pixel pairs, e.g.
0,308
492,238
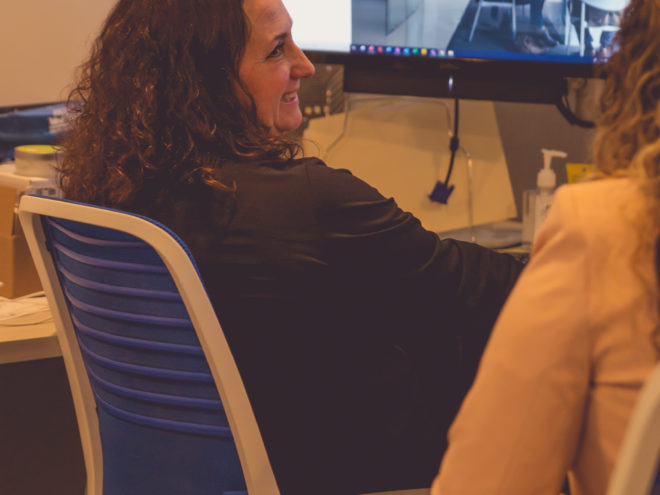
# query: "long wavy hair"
627,142
154,108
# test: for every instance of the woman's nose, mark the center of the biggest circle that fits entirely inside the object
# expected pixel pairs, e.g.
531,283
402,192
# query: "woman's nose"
302,67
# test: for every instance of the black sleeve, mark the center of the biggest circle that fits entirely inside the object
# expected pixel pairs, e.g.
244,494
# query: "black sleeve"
455,285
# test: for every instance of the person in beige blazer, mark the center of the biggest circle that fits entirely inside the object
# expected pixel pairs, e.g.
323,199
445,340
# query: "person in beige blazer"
579,334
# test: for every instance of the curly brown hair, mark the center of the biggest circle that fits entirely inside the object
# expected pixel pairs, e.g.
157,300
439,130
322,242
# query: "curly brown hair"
627,142
155,108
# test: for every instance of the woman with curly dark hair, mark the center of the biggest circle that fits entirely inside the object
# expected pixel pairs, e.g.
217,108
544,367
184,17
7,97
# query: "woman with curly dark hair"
160,108
580,333
355,330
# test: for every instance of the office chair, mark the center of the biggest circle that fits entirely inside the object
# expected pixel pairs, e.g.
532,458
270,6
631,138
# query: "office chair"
636,469
160,403
510,4
604,5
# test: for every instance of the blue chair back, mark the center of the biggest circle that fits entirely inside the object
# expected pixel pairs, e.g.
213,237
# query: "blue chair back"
147,370
159,419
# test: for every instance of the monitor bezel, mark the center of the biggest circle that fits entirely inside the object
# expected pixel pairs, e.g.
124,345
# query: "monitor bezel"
533,81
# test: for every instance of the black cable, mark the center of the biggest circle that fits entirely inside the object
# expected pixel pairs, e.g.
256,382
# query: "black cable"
442,190
453,143
565,110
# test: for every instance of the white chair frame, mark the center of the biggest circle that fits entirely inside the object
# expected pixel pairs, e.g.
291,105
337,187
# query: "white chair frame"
637,464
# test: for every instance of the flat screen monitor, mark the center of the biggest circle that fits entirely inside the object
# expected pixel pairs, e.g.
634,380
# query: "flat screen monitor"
517,50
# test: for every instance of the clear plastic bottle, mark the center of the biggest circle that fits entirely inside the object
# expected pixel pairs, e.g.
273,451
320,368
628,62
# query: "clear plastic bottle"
537,202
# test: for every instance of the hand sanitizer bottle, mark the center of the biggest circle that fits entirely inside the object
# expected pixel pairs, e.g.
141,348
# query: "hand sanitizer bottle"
537,202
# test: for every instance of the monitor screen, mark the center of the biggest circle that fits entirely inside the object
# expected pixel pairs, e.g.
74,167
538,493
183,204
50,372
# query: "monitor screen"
468,48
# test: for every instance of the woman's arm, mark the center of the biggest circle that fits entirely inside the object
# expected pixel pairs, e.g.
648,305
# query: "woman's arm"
449,292
519,427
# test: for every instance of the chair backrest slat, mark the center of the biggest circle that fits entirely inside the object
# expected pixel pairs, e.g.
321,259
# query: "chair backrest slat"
155,398
148,319
107,263
149,371
135,342
165,424
114,289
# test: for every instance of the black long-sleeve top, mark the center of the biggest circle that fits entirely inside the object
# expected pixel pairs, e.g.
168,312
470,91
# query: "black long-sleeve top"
356,331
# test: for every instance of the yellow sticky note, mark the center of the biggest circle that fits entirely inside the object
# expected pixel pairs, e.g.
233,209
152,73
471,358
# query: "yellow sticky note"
575,172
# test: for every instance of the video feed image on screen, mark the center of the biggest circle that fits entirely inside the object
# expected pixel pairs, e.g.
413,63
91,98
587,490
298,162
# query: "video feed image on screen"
564,30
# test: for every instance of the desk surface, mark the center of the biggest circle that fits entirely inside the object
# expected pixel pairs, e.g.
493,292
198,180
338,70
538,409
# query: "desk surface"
27,338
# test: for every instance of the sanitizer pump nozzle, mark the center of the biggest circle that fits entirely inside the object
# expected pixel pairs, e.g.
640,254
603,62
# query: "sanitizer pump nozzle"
546,178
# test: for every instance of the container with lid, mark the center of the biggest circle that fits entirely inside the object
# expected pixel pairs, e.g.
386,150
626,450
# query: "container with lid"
36,160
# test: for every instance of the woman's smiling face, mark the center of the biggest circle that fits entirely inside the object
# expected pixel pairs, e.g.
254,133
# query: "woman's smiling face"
272,65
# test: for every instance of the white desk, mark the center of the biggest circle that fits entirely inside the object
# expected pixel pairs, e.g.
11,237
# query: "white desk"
27,341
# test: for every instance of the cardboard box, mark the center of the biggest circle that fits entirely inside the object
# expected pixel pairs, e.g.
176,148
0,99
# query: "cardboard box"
18,275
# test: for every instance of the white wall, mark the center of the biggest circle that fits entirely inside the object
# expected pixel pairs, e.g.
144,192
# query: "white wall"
42,42
401,147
